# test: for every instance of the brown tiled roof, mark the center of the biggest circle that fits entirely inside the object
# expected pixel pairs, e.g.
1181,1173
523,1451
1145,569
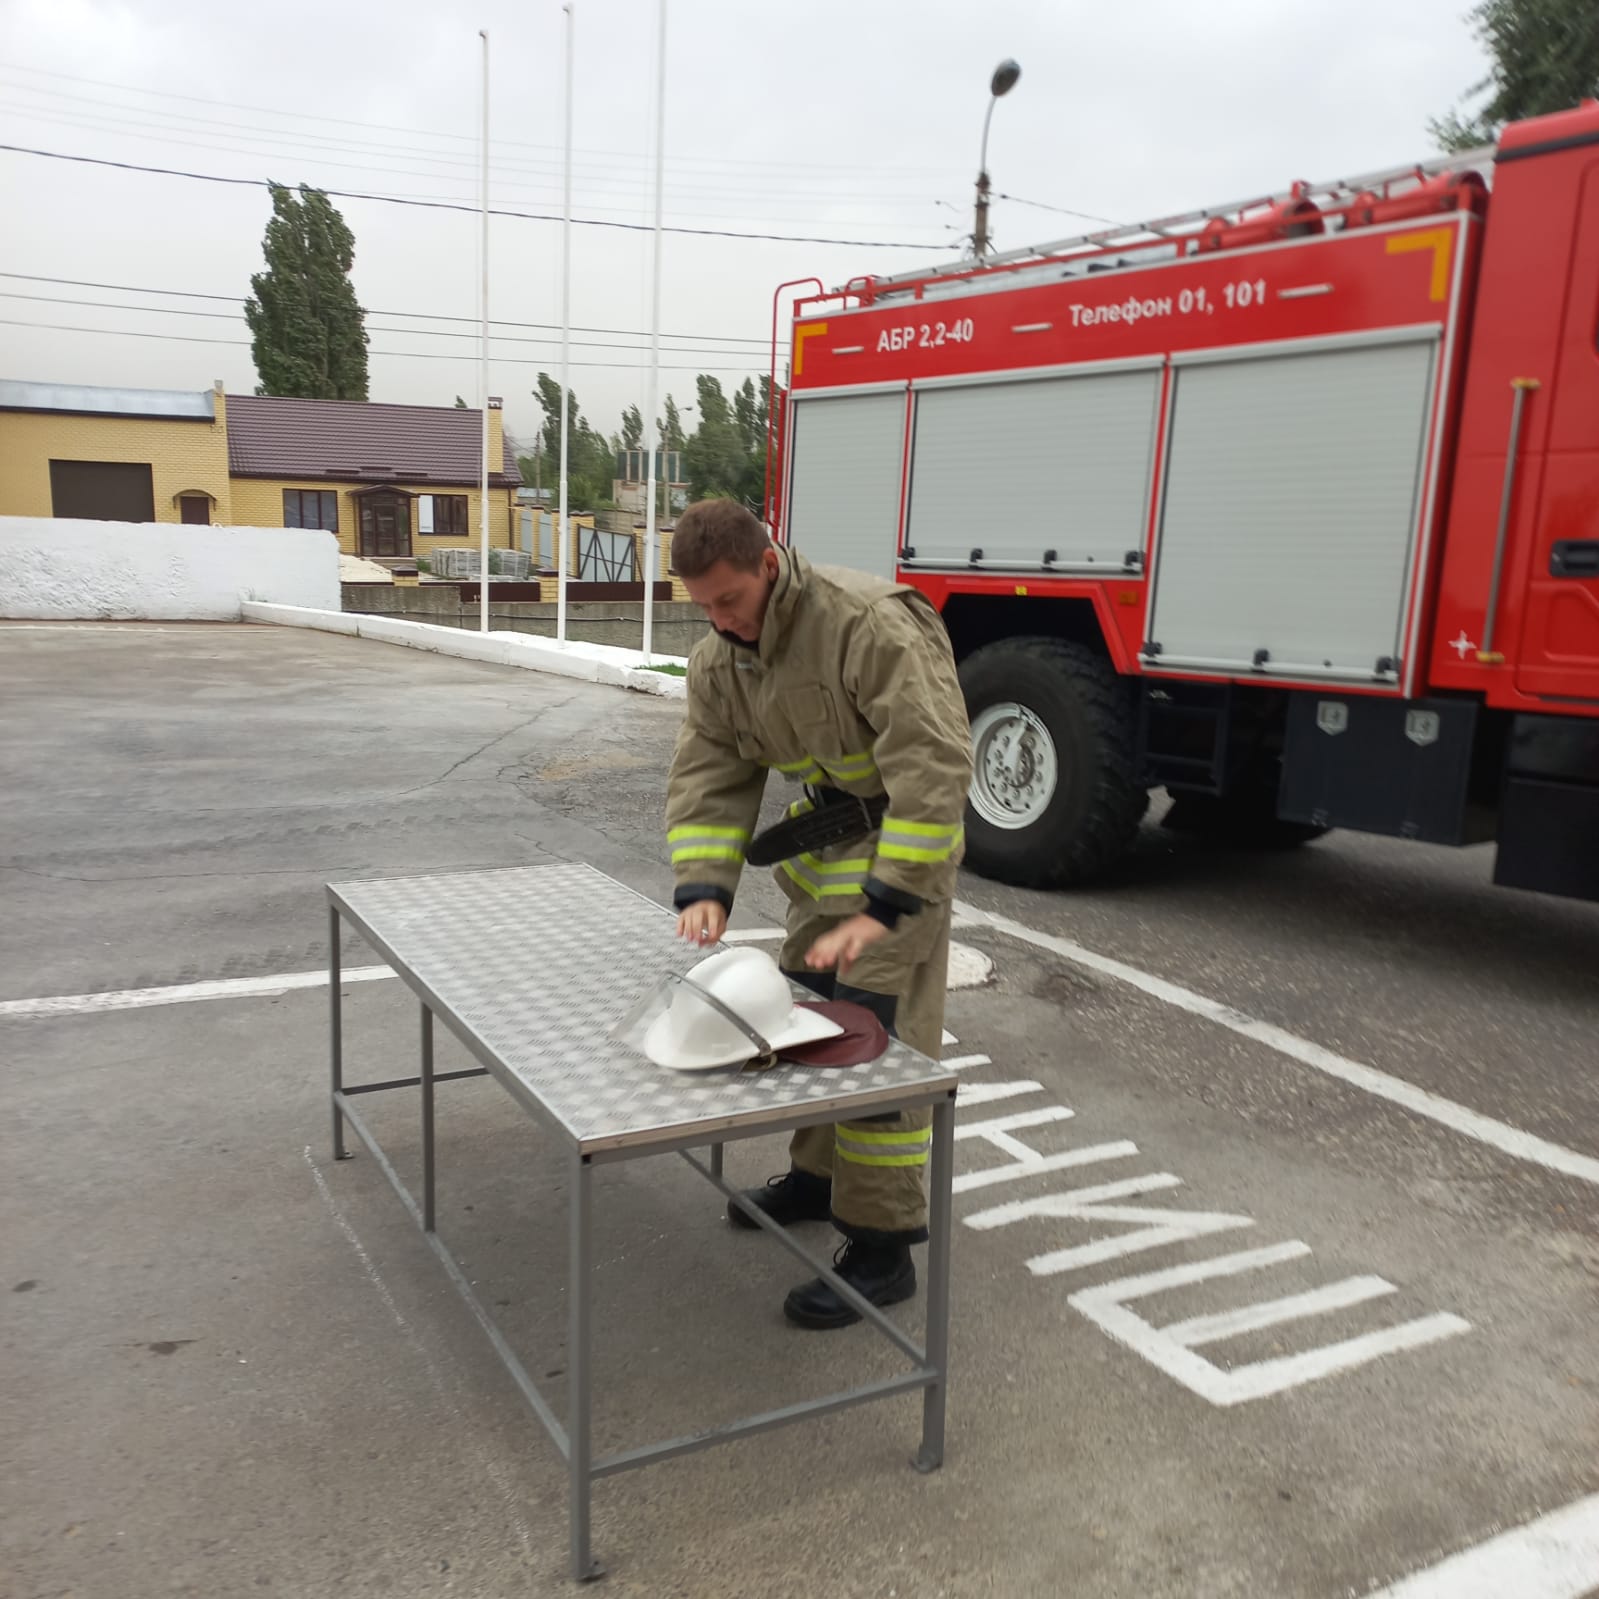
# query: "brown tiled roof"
358,440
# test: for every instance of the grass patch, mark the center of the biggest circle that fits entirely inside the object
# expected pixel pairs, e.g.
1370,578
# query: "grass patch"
669,671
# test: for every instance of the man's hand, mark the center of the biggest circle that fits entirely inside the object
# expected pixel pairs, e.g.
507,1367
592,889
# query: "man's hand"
702,923
839,949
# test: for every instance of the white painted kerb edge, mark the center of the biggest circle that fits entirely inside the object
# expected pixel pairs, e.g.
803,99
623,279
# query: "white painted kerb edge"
591,663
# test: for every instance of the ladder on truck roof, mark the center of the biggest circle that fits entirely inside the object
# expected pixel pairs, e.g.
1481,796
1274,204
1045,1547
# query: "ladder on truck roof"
1162,238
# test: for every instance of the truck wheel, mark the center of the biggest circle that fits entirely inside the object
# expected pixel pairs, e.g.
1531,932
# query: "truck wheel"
1247,820
1055,797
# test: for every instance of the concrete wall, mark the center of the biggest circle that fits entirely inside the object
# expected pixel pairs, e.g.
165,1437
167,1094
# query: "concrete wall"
54,568
184,456
678,627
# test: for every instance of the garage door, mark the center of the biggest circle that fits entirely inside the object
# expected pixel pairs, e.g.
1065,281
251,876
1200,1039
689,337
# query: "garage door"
846,460
102,491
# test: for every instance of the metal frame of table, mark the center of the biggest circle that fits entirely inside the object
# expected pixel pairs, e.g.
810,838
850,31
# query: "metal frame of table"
798,1097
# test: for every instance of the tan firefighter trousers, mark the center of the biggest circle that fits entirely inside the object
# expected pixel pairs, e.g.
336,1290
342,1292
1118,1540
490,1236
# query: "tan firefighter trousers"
878,1166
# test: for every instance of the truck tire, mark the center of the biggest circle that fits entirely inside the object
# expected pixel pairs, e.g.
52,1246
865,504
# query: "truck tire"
1055,797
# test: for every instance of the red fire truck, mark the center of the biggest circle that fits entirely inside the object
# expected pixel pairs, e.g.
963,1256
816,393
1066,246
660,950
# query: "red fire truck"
1289,507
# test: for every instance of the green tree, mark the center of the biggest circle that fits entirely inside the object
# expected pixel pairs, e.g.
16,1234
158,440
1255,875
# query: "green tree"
1545,57
592,460
632,429
714,458
751,433
669,428
307,329
460,404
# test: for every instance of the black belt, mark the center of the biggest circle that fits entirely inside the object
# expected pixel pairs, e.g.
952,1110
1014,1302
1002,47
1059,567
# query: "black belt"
836,818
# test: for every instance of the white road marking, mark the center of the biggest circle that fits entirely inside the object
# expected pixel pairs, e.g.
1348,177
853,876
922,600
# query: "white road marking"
961,1063
185,993
1554,1557
985,1093
1498,1135
752,935
1106,1307
1170,1348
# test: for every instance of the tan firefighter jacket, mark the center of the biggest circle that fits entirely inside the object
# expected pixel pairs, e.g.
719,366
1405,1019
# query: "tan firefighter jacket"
853,687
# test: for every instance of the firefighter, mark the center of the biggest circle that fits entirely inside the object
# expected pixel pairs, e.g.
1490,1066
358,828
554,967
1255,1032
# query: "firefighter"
846,685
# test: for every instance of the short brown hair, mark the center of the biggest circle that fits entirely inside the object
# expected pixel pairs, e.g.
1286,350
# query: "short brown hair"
717,530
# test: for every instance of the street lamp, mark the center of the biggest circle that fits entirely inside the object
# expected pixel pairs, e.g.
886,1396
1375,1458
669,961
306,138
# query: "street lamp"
1003,81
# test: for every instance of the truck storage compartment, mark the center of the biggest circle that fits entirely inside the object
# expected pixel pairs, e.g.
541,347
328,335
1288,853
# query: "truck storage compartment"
1047,470
847,454
1287,541
1403,768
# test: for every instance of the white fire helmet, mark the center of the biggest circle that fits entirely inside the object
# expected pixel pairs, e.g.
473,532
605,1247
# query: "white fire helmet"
729,1009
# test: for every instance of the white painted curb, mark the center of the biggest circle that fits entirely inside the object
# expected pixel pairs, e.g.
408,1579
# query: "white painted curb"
592,663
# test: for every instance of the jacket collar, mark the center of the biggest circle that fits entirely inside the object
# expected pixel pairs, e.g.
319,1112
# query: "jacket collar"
788,594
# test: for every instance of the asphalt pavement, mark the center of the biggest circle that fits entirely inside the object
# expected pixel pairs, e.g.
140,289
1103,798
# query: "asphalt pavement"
1277,1246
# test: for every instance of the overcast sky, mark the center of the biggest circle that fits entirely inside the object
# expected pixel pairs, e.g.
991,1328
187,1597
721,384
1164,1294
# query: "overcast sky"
826,118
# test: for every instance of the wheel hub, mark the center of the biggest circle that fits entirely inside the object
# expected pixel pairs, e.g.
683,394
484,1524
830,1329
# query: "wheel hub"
1015,770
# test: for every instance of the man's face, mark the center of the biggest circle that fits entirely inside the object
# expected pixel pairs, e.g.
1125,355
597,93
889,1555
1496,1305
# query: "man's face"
735,602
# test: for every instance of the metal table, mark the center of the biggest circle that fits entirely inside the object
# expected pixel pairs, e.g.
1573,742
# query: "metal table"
530,968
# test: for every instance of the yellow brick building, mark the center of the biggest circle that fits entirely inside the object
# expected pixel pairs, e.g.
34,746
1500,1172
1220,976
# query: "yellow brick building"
138,455
393,482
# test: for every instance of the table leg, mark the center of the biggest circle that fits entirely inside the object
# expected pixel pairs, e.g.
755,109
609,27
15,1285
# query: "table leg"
716,1160
336,1025
940,1219
427,1119
579,1446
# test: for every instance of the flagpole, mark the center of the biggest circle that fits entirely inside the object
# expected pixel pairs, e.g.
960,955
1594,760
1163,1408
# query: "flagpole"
655,341
483,387
563,558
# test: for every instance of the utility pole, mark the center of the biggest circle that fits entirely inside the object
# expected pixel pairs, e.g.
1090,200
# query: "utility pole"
1003,81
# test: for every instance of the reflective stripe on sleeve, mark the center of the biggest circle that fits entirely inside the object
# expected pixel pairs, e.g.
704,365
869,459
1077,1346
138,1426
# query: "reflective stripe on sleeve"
707,843
918,841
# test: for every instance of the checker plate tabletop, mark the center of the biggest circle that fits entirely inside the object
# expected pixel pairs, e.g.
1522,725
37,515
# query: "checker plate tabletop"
533,967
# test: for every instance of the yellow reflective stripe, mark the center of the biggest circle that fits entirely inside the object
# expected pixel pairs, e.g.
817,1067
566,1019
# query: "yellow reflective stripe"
737,835
849,768
791,767
921,829
819,888
706,852
905,852
800,808
881,1160
835,868
900,1135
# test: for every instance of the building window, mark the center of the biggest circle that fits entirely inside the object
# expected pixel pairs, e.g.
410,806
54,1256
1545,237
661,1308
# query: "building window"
311,508
195,509
443,515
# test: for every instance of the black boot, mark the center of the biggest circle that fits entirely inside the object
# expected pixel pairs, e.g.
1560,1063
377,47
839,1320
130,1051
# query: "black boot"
884,1274
795,1196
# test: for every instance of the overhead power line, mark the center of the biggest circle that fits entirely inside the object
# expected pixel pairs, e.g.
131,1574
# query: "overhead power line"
98,113
429,133
451,205
423,316
404,355
1061,210
421,333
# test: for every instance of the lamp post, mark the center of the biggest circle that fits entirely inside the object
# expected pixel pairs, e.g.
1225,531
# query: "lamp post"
1003,81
